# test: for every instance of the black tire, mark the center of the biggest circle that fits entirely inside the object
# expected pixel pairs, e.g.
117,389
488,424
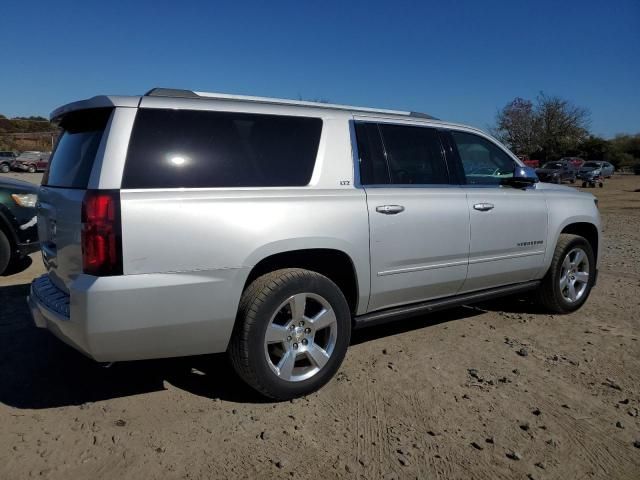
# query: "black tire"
4,168
32,169
549,293
584,184
260,301
5,252
600,185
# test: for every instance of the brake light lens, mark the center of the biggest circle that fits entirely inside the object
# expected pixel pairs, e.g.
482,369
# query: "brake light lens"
101,233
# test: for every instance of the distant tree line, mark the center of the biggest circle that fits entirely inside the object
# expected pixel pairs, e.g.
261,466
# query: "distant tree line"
12,128
551,127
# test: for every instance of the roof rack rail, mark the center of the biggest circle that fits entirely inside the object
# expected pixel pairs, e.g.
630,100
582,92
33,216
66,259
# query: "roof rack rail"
178,93
171,92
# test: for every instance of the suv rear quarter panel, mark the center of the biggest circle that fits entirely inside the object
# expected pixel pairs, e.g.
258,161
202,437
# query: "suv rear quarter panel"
214,230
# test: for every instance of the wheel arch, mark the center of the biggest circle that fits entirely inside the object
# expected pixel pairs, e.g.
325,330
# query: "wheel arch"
333,263
580,225
586,230
7,229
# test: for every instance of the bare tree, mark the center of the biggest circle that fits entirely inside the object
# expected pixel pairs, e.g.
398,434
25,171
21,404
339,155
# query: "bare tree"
547,128
516,126
562,125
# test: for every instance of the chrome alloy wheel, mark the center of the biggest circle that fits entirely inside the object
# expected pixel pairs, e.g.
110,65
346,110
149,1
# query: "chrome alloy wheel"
300,337
574,275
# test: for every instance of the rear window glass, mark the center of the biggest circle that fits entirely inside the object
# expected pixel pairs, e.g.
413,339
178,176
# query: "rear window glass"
373,167
187,148
72,160
414,155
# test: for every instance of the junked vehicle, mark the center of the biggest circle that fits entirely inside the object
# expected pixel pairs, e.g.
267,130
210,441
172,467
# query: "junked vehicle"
6,158
181,223
31,162
557,172
598,168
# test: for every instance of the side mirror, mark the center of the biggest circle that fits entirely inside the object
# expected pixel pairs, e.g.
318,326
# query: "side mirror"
523,177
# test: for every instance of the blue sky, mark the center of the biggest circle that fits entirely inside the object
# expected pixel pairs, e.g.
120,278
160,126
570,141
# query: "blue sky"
458,60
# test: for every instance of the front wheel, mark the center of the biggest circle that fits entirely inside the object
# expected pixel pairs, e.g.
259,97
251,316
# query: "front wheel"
292,332
4,168
5,252
567,284
32,169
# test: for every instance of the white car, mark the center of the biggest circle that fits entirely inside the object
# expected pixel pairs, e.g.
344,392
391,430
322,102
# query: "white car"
183,223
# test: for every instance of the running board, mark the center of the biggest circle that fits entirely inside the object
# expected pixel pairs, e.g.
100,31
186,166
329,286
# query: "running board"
398,313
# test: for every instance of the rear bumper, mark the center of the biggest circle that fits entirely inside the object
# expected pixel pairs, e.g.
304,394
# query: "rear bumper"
135,317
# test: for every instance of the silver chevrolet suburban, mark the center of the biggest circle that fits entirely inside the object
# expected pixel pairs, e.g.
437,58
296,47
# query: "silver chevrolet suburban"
180,223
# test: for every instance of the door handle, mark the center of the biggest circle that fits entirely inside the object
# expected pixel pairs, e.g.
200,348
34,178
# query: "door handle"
389,209
483,207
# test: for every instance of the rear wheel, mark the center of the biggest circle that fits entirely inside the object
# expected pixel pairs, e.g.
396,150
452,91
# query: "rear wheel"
5,252
567,284
32,169
4,168
292,333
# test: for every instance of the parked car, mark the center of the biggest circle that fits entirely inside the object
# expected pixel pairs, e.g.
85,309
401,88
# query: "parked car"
529,162
598,168
557,172
576,162
183,223
18,230
31,162
6,158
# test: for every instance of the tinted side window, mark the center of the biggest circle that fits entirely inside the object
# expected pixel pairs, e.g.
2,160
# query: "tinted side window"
186,148
75,152
483,162
414,155
373,168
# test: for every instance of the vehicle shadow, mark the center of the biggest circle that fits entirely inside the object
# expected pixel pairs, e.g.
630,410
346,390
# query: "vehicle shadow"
38,371
17,266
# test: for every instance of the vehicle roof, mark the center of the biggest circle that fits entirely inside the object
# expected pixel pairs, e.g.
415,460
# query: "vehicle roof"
189,98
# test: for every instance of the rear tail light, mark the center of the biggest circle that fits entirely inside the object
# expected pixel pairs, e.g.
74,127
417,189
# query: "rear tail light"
101,233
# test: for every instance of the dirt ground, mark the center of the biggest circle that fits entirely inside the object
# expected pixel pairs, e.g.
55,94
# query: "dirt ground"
495,391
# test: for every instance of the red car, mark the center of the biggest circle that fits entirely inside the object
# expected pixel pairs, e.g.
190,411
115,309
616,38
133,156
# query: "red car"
575,161
31,162
529,162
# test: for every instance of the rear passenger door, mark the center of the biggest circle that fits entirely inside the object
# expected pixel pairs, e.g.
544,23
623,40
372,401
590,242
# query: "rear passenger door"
418,221
508,225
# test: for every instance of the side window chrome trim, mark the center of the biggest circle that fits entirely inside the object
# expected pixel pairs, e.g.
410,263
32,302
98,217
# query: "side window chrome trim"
418,185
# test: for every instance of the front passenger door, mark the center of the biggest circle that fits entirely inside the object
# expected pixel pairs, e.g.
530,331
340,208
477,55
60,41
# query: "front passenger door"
508,225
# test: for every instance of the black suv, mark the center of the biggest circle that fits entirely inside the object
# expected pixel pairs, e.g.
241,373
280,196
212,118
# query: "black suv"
18,228
5,161
557,172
